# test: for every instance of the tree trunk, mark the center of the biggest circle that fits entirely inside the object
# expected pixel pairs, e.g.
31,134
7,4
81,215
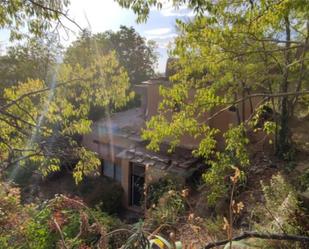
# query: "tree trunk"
284,143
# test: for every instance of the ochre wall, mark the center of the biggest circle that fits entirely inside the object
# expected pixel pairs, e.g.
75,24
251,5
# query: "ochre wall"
107,155
222,122
153,100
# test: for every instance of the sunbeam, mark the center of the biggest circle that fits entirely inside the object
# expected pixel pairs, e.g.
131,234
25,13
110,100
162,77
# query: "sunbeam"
36,130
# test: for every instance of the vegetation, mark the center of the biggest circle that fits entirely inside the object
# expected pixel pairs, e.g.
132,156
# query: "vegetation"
134,54
57,113
32,16
34,60
231,57
39,226
102,193
283,210
132,51
166,202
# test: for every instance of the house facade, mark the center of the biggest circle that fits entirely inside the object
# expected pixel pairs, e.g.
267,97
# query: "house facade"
117,140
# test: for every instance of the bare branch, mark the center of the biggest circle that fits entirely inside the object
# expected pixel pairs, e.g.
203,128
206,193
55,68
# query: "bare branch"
302,67
61,234
56,11
269,236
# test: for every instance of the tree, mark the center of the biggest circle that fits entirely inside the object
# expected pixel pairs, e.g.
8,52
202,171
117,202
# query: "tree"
142,7
41,121
33,59
45,110
247,49
137,56
33,16
133,52
86,48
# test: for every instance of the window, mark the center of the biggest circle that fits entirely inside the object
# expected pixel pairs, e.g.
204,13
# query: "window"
112,170
118,174
109,169
107,129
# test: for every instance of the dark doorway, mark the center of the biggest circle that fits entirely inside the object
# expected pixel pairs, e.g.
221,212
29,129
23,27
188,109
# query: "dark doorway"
137,183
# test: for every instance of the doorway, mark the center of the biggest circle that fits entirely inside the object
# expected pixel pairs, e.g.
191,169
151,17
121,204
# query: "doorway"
137,184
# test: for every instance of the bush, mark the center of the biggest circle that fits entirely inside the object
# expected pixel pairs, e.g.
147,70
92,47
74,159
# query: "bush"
157,189
38,226
168,210
281,213
38,234
21,175
10,222
81,226
214,227
22,226
101,192
165,201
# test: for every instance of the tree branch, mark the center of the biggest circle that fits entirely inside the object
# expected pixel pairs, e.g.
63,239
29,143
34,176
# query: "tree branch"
265,95
55,11
13,102
302,67
269,236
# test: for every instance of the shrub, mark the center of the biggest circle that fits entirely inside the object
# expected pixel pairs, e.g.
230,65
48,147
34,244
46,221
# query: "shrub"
101,192
37,232
214,227
10,209
168,210
157,189
21,175
280,213
38,226
165,201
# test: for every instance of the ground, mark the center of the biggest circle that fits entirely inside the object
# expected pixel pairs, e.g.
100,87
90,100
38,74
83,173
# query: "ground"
263,166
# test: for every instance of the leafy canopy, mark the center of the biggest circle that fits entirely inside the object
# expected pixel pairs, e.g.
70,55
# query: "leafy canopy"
45,125
32,16
136,55
34,59
239,53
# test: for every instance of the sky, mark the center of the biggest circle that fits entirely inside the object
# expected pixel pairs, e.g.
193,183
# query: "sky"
102,15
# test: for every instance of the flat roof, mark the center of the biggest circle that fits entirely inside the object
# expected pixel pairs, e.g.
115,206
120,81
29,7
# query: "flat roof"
181,161
124,124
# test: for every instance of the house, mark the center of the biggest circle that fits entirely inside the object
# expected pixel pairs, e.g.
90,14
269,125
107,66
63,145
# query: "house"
125,158
117,140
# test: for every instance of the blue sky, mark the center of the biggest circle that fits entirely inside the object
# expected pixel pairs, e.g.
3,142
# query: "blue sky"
102,15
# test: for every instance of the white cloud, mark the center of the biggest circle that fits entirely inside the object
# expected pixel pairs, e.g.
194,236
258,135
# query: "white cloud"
162,37
158,32
177,12
164,45
169,10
